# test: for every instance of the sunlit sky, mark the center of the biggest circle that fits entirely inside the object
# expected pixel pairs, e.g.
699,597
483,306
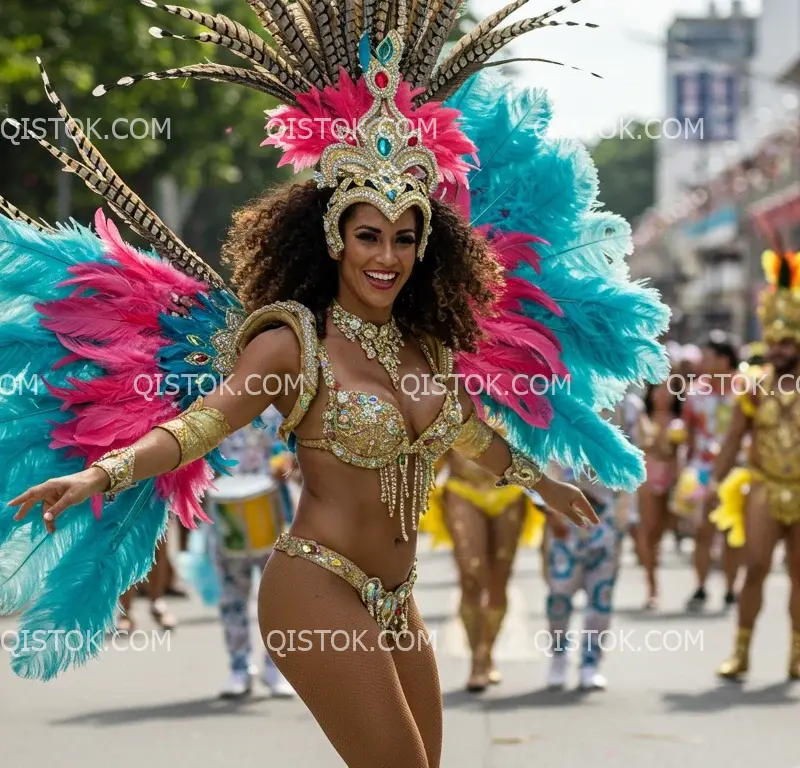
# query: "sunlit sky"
627,50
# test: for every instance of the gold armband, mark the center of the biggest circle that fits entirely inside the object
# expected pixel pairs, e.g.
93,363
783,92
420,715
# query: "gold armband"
474,438
198,430
118,465
521,472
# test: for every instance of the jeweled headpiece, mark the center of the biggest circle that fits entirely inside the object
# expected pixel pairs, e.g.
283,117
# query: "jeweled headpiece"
779,304
377,161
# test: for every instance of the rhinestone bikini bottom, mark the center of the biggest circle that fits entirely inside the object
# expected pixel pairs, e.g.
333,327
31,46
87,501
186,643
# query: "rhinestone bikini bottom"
389,609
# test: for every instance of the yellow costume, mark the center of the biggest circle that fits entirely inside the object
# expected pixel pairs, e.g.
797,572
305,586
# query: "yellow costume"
774,410
482,493
774,461
773,466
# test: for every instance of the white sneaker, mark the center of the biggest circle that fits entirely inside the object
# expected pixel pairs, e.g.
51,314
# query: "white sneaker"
278,685
557,676
239,684
592,680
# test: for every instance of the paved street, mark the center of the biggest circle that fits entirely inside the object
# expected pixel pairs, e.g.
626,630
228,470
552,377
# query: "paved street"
663,709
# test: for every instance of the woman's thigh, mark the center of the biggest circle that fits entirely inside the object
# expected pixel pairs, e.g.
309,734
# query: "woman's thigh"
419,677
323,640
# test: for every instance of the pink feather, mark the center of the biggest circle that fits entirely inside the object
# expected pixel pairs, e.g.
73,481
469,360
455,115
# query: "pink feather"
519,355
112,319
324,117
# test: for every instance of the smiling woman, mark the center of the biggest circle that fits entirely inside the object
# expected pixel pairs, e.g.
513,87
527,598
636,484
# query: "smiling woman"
346,285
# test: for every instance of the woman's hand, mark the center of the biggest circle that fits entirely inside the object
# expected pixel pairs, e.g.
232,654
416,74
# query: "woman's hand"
567,500
60,493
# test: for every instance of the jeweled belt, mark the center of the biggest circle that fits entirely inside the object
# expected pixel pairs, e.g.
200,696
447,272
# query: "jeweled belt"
389,609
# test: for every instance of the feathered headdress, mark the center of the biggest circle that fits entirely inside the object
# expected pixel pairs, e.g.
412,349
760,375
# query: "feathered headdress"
779,304
362,91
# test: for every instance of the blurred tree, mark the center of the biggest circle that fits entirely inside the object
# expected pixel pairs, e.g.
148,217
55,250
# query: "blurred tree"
195,138
626,165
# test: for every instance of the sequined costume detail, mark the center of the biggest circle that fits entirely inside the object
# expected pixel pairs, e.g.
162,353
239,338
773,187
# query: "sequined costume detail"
774,459
361,429
388,608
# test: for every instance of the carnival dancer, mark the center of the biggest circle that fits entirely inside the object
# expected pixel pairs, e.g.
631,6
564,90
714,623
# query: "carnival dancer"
248,517
760,502
661,433
588,561
707,414
484,525
348,285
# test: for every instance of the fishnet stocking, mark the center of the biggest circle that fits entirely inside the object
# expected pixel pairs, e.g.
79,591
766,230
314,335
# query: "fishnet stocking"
367,702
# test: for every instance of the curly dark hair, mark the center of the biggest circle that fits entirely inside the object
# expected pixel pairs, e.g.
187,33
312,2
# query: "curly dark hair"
277,250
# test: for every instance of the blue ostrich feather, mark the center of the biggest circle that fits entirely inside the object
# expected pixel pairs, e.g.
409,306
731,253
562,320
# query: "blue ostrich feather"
531,182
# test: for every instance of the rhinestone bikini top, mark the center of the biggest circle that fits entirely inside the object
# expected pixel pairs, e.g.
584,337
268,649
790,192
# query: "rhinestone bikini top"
363,430
358,427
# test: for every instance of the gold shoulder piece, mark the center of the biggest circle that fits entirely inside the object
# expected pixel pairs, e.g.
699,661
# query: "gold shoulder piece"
301,320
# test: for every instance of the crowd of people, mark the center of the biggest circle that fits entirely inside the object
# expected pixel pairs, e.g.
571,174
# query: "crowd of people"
685,426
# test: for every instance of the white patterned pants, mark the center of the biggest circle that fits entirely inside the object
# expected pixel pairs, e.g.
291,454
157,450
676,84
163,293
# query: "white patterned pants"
236,574
587,561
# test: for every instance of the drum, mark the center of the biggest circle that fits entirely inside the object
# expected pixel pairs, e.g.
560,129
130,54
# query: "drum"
249,512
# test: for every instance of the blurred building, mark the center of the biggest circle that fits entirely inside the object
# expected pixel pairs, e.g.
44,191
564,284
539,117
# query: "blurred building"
724,187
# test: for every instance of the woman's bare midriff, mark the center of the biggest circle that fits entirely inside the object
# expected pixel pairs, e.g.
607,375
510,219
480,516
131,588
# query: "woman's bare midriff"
340,508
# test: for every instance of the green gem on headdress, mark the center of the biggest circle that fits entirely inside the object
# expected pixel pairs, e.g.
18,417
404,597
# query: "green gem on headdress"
385,50
384,146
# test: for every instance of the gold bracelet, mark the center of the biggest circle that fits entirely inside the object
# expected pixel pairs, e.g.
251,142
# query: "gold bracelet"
118,465
474,438
521,471
198,430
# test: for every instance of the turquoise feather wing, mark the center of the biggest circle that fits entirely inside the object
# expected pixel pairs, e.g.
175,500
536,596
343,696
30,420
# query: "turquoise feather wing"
610,328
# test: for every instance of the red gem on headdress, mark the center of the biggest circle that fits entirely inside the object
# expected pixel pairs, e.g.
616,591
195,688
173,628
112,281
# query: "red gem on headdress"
350,139
381,80
412,141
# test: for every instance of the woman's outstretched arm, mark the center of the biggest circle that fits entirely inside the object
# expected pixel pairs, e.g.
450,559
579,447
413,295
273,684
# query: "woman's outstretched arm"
190,435
486,447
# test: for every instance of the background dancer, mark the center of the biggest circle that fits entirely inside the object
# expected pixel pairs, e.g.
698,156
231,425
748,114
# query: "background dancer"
707,414
157,582
661,433
760,502
484,524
